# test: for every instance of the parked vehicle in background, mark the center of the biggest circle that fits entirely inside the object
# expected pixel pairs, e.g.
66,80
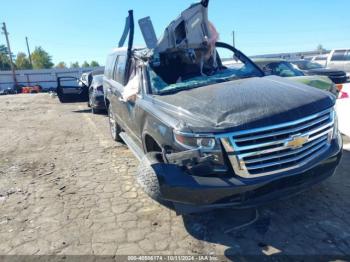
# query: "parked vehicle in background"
8,91
71,89
339,59
68,90
96,95
283,68
86,78
209,136
312,68
343,110
320,59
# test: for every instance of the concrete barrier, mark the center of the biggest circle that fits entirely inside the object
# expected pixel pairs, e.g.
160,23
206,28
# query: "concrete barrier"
47,78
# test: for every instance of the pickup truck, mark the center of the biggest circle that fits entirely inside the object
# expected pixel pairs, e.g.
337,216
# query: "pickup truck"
208,136
339,59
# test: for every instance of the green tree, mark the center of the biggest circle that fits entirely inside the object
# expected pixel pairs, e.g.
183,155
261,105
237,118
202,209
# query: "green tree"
320,49
94,64
41,59
4,59
85,64
61,65
4,62
3,50
74,65
22,62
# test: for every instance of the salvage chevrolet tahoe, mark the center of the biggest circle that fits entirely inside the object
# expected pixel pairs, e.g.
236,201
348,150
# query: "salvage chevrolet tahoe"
208,136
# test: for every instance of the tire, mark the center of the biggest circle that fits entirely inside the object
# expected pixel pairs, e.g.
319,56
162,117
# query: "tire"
63,100
147,177
89,101
61,97
114,127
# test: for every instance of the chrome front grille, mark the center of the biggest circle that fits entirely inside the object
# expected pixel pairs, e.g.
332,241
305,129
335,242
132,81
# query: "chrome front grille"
274,149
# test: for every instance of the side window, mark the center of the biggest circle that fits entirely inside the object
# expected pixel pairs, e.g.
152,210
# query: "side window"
114,67
348,56
119,69
109,67
338,55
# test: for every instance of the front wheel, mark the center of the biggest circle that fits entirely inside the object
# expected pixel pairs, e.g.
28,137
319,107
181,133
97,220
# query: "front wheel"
89,103
148,180
93,110
113,126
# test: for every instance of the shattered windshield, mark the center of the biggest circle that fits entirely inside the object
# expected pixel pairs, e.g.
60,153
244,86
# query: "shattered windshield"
238,70
160,87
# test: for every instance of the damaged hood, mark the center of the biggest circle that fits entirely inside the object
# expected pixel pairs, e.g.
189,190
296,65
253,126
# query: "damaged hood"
243,104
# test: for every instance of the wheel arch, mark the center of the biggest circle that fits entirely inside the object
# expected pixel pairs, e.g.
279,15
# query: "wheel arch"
107,102
150,144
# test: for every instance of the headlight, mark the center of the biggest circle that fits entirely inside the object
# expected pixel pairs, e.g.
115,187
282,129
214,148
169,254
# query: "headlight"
195,141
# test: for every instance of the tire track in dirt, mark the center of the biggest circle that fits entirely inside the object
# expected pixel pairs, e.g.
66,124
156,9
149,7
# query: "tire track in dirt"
102,138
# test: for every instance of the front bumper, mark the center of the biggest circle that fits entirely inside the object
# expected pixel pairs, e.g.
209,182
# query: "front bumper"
181,188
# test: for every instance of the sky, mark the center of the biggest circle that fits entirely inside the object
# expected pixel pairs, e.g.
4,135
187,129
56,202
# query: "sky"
79,30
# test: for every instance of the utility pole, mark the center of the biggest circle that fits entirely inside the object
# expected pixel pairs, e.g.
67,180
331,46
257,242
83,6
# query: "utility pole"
29,55
233,39
10,53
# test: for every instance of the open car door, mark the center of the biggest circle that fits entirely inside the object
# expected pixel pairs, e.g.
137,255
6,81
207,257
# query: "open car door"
68,90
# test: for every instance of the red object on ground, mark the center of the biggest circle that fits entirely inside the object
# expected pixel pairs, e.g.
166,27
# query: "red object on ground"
343,95
31,89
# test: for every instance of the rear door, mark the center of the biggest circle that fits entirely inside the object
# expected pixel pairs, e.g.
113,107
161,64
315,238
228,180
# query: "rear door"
117,87
337,60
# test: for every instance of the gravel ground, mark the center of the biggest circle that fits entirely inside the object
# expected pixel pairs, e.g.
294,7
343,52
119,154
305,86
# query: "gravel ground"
66,188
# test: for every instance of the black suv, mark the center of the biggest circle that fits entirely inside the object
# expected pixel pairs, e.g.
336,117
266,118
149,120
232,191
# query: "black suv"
208,136
312,68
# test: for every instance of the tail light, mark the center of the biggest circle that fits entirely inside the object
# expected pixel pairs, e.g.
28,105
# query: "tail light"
343,95
339,87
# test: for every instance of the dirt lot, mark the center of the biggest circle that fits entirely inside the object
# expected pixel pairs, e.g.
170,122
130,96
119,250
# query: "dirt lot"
66,188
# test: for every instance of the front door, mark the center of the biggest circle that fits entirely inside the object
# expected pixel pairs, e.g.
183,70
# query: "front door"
68,90
125,111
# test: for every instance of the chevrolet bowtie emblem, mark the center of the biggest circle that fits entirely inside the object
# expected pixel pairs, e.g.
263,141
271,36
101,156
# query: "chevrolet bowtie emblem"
297,141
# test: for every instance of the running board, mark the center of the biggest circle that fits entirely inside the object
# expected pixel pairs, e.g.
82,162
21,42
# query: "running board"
137,151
